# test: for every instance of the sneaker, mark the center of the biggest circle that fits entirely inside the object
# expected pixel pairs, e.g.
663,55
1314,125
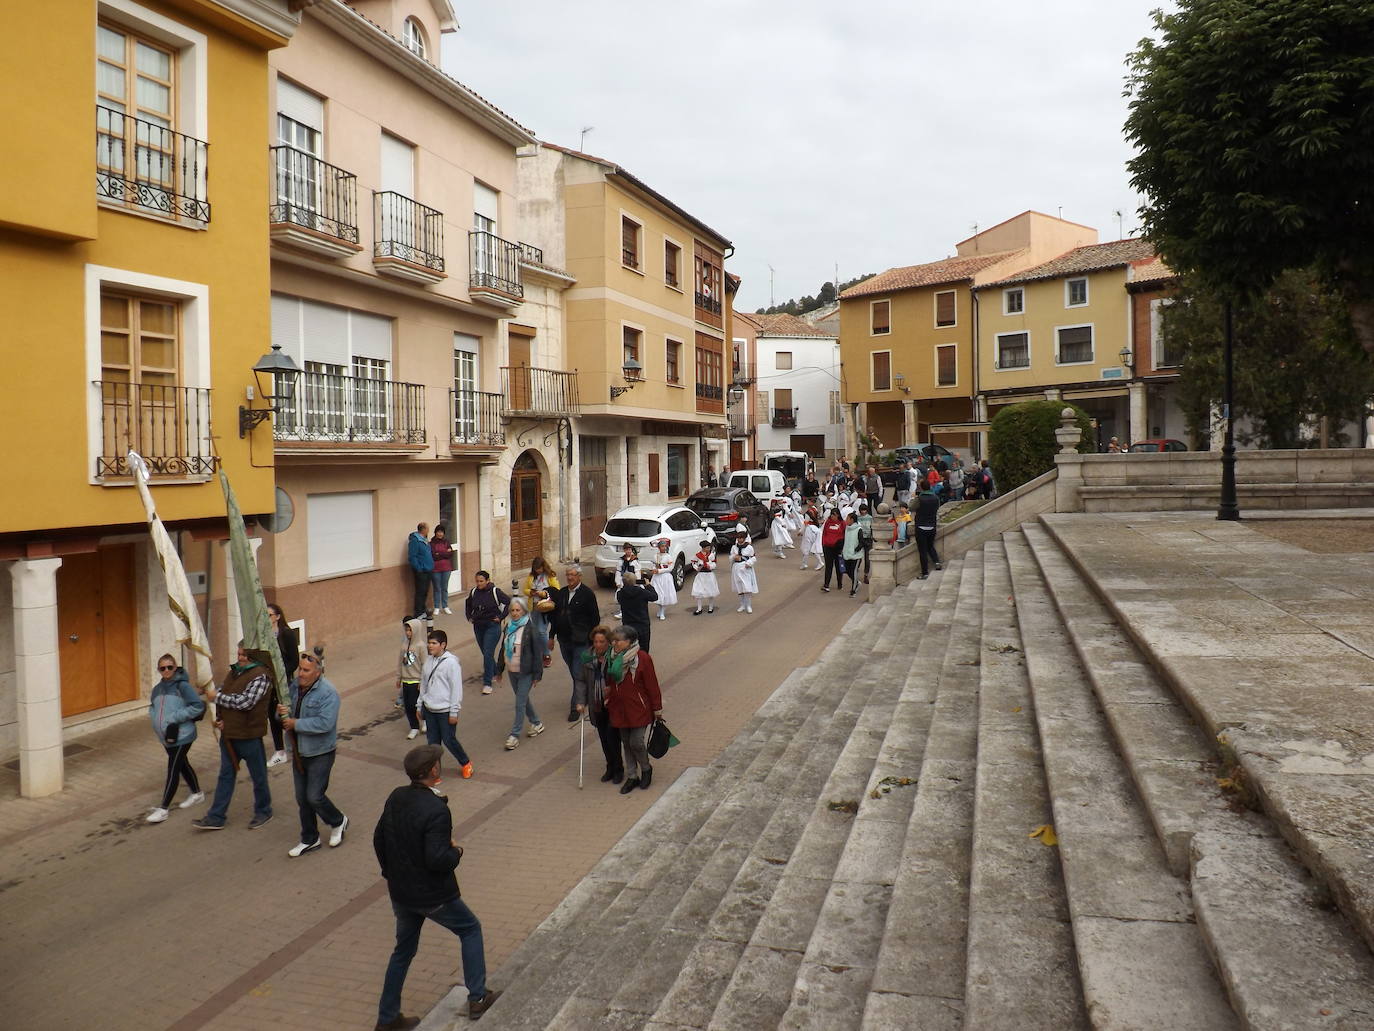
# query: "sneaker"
194,800
296,851
411,735
277,759
826,589
336,834
157,816
486,689
740,609
466,770
399,1023
535,730
512,743
476,1007
748,608
259,821
204,824
938,567
448,611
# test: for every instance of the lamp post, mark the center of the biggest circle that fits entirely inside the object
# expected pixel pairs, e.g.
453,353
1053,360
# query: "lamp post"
274,372
632,371
1229,509
1125,355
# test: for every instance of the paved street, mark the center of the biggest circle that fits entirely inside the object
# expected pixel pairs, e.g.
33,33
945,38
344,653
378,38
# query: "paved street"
108,921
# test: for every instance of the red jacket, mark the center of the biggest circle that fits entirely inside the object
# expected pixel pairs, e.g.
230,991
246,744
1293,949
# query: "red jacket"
633,701
832,533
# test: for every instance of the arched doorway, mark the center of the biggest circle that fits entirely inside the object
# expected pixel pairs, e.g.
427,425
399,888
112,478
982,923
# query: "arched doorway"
526,512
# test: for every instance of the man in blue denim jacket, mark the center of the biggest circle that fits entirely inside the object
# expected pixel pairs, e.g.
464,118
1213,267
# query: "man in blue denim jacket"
313,720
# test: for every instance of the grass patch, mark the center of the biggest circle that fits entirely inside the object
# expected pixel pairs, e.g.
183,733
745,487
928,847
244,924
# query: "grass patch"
957,509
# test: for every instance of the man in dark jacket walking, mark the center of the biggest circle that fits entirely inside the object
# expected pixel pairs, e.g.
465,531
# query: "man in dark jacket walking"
573,619
417,854
634,600
421,560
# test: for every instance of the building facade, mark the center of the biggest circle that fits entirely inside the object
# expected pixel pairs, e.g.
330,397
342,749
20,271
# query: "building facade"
799,388
742,397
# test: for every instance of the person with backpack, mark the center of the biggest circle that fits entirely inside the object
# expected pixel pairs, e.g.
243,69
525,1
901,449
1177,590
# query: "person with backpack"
485,608
421,559
174,708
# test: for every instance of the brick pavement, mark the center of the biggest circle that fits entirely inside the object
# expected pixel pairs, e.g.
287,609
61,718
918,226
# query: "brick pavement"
161,926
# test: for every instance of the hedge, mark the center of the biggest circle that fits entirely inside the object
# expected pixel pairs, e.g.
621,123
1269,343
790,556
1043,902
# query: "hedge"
1021,442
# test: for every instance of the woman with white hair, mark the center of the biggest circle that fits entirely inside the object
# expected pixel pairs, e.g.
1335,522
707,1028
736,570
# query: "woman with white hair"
521,651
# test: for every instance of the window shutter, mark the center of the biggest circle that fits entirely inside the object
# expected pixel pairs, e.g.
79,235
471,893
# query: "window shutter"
882,370
286,325
398,166
325,333
945,308
300,106
882,316
948,370
486,203
371,336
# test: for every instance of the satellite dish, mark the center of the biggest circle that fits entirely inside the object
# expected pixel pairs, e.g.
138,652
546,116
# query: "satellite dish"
280,520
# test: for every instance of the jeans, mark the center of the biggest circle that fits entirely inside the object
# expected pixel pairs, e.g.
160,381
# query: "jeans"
440,580
312,781
439,729
539,622
410,702
418,609
572,657
522,684
250,750
488,636
925,543
178,768
456,917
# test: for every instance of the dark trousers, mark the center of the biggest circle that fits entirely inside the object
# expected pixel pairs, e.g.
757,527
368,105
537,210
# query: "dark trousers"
439,729
410,702
610,742
572,654
643,631
250,750
873,501
418,608
456,917
274,724
833,561
925,544
488,635
311,773
178,768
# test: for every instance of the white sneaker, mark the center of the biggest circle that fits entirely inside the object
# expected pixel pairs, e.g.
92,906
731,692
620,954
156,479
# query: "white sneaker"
748,608
535,730
740,609
448,611
195,799
277,759
512,743
157,816
336,834
662,616
486,689
296,851
411,735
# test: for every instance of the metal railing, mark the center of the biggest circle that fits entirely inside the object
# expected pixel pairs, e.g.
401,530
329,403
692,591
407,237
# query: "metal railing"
146,165
332,407
408,230
314,194
475,418
530,253
1013,361
710,392
169,426
739,421
742,373
629,258
784,418
495,263
708,303
531,391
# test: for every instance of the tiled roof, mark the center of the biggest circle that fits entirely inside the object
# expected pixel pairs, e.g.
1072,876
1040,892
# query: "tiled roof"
785,325
1092,258
748,317
935,273
1152,270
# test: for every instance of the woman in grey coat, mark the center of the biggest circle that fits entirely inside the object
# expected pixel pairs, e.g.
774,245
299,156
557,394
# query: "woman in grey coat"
521,649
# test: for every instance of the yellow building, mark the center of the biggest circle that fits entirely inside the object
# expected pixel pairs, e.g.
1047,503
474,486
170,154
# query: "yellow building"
907,335
135,289
1063,329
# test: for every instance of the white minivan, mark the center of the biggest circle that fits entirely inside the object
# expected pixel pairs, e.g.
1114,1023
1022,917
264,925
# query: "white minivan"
767,485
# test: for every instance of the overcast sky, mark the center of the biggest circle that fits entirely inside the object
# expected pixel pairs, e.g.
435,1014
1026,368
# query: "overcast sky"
811,133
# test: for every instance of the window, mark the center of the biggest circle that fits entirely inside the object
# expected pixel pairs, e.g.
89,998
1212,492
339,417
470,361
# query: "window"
708,279
836,413
340,536
629,242
879,318
1075,345
674,362
946,308
710,365
1075,293
1013,350
631,338
413,35
680,520
464,386
882,370
1013,301
672,259
1165,355
783,360
142,407
946,365
677,479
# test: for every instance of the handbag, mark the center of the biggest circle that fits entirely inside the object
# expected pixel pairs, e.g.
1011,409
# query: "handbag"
545,605
660,739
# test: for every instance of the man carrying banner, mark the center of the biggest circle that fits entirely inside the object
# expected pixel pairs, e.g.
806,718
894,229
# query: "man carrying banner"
242,722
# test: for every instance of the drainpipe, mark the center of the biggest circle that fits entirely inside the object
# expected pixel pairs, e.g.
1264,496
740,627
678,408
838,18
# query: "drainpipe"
564,463
978,437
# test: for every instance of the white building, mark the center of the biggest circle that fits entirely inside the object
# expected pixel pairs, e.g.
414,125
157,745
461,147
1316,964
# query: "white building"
798,388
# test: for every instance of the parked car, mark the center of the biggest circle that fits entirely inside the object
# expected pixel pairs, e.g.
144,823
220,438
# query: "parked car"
909,453
642,525
792,464
1156,444
725,508
768,485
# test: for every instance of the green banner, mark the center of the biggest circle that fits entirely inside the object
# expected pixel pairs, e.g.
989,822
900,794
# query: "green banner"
257,625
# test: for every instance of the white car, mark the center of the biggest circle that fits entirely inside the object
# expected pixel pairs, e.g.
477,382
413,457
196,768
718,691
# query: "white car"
642,525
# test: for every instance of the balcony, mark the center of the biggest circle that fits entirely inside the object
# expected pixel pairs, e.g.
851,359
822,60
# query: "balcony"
739,421
529,391
707,303
475,420
148,167
337,409
169,426
742,373
495,276
784,419
315,204
710,398
530,254
410,239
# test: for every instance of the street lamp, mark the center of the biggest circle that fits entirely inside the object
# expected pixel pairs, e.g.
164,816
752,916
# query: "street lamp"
633,372
1229,509
274,372
1126,356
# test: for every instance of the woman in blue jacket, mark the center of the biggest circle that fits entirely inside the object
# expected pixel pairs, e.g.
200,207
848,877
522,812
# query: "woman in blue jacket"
173,709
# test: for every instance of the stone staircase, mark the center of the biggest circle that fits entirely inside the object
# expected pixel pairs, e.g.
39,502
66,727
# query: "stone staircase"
861,855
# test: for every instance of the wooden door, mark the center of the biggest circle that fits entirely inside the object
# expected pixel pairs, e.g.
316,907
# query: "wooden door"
526,514
518,378
96,629
653,473
736,454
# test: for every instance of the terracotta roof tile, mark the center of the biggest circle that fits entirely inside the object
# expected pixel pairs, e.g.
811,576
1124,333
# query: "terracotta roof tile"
785,325
935,273
1092,258
1151,270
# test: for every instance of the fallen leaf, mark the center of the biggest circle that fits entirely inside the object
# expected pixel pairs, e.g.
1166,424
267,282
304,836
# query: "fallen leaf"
1045,833
1017,709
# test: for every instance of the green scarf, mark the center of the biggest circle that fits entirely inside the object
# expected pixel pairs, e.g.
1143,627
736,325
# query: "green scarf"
236,670
620,662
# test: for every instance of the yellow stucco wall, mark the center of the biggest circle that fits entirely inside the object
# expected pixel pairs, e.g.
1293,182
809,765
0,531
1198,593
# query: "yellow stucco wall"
45,398
912,340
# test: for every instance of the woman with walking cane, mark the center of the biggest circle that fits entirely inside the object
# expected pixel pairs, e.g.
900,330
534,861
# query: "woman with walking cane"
589,699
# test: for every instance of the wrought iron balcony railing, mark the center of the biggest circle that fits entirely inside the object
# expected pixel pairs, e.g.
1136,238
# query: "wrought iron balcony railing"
532,254
352,409
629,258
708,303
710,392
495,263
531,391
785,418
739,422
169,426
314,194
146,165
475,417
742,373
408,230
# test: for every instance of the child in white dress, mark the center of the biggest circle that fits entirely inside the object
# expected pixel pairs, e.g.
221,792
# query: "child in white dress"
811,541
704,585
663,578
778,532
743,580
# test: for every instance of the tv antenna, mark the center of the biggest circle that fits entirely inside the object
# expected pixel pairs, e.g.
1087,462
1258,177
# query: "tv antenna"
1120,221
772,302
582,144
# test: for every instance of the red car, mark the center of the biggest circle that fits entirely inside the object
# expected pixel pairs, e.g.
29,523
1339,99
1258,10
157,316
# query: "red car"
1150,447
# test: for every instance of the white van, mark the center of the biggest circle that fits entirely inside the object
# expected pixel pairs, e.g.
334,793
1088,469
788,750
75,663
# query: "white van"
765,484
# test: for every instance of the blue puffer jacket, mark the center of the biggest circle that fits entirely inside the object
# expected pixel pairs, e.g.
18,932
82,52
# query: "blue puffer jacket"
421,558
175,701
317,725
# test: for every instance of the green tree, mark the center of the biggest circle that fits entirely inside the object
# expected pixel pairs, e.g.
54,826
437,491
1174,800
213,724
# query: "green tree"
1254,124
1298,357
827,294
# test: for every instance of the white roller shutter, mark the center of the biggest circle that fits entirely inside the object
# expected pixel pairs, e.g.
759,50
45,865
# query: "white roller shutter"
398,166
486,204
300,106
371,335
286,326
325,331
339,536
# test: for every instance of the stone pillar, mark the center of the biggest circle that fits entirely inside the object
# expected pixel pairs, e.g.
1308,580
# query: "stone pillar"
1138,428
909,422
858,413
38,675
980,414
231,595
1218,427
